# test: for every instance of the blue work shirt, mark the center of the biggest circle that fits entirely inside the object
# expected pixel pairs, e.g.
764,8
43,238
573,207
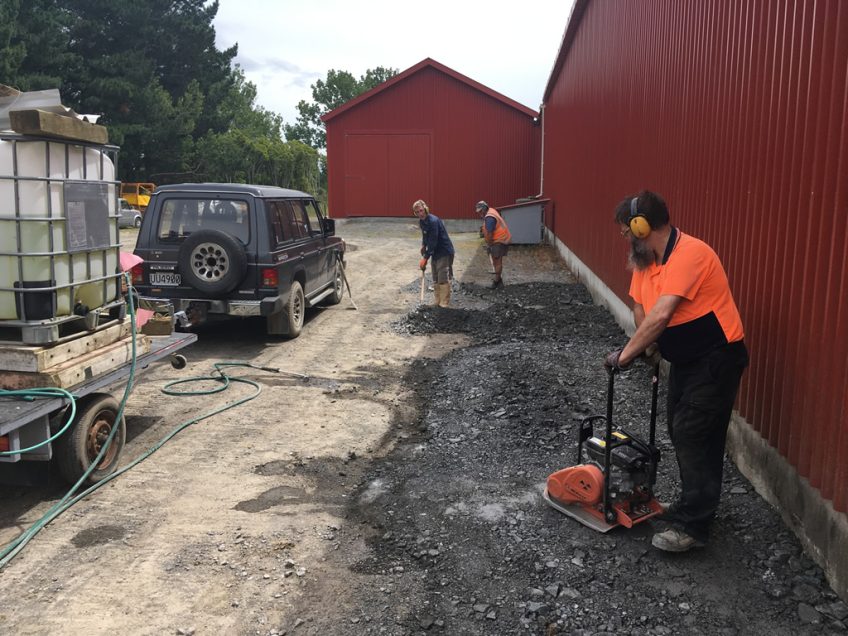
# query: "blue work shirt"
434,237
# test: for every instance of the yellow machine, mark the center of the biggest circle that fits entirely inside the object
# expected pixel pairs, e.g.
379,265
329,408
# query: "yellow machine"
137,194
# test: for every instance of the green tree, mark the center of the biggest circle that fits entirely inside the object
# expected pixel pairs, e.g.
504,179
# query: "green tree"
239,109
11,53
338,88
252,149
128,44
237,157
149,67
178,107
179,37
34,44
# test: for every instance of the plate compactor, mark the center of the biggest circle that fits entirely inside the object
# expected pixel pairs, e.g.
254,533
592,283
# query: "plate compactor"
615,485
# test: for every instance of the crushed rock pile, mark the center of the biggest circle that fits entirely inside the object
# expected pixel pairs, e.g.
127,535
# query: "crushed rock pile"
462,543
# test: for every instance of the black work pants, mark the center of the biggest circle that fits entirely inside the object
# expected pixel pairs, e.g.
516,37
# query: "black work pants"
700,401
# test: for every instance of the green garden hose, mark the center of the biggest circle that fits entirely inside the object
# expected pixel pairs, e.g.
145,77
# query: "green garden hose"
33,394
69,499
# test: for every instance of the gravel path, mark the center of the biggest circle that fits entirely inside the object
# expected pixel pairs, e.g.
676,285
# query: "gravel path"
461,542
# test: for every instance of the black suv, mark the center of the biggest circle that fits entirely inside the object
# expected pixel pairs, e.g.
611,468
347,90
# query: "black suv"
238,250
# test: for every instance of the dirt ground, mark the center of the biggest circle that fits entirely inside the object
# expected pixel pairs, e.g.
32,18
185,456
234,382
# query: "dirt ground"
397,489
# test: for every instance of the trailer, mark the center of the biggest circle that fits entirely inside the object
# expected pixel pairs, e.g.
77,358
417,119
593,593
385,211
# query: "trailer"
66,344
25,423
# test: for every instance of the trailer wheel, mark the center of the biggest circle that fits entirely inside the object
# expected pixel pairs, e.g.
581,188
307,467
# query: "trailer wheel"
78,447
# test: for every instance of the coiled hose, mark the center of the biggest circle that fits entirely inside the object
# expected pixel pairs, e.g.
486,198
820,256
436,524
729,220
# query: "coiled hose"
71,497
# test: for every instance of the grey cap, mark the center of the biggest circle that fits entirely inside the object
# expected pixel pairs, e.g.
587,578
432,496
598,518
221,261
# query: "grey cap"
481,205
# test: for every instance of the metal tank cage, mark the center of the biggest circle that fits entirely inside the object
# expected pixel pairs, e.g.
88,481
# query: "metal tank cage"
53,329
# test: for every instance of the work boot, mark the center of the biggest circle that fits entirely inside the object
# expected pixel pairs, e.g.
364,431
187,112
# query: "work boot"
498,282
675,540
446,294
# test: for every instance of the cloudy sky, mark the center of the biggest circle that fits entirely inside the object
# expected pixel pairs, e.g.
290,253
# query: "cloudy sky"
286,45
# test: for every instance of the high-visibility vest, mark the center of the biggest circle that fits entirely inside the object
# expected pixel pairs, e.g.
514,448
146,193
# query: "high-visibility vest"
501,233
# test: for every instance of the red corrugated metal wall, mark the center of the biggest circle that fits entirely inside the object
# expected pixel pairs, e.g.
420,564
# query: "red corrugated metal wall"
735,111
479,148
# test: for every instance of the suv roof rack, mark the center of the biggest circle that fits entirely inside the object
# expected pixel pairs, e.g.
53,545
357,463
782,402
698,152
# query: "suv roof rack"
240,188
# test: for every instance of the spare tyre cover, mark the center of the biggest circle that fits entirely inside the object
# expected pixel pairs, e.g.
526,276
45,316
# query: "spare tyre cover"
212,261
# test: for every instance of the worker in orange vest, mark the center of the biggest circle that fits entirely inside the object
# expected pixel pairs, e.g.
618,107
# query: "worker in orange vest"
497,238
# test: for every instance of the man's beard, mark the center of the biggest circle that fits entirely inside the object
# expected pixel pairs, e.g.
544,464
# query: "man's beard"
641,256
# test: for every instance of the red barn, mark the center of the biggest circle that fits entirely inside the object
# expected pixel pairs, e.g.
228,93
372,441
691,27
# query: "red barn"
736,113
430,133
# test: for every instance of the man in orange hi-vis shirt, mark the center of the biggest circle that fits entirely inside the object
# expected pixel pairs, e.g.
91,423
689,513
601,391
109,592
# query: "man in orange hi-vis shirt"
683,305
497,238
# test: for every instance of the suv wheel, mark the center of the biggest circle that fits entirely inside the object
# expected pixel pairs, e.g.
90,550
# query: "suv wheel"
212,262
338,290
295,310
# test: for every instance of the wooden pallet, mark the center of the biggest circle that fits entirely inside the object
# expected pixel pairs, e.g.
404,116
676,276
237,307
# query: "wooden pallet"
15,356
77,370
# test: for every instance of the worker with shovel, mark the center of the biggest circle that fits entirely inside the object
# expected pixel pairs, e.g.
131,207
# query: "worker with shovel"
435,245
497,236
683,303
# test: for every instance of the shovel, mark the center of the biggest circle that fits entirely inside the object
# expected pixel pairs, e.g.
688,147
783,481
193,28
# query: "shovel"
344,278
421,296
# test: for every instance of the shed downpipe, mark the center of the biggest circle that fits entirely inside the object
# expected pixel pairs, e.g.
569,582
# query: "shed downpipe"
542,158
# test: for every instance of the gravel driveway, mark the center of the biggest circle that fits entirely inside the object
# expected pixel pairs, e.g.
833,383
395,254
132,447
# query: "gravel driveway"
397,490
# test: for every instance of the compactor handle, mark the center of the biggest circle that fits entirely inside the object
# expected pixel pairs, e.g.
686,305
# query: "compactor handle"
608,443
655,389
611,371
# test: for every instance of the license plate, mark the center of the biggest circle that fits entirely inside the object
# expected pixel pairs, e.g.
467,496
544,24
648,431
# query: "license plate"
166,279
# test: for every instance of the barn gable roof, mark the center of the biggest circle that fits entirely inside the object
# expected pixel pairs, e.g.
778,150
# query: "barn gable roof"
427,63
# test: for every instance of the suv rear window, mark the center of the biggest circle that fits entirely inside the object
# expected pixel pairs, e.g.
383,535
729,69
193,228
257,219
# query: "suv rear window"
180,217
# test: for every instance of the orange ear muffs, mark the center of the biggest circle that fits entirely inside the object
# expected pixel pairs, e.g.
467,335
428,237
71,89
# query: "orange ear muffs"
639,226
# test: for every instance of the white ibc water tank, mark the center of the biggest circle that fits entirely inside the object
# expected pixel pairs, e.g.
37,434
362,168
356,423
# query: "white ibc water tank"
40,246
